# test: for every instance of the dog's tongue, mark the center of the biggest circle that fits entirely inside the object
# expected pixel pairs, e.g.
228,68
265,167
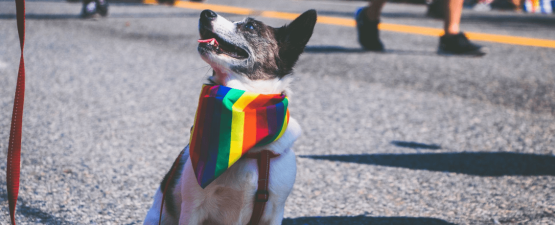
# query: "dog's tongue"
211,41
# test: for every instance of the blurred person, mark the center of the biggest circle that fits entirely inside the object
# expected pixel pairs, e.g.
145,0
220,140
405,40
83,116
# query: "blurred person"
93,7
487,5
538,6
172,2
452,42
482,5
517,4
506,4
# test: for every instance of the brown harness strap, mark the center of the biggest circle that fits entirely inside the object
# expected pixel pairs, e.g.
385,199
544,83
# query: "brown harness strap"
262,195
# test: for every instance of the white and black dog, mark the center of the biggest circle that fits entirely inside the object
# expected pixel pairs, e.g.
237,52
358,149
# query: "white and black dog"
250,56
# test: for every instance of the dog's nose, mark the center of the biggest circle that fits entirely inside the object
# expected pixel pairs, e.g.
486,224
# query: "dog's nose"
208,14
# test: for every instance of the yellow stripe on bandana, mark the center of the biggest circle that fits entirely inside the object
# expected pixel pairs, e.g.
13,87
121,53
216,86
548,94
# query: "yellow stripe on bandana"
238,121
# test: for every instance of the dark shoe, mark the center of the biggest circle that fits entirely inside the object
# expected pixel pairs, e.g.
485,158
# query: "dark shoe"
460,45
102,7
89,9
368,33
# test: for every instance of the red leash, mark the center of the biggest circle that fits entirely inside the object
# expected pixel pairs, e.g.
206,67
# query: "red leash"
14,147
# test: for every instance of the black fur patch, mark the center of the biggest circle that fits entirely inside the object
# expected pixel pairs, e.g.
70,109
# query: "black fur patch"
274,51
292,40
263,48
169,203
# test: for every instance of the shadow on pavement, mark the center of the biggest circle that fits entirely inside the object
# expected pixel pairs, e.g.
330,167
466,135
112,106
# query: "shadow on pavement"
113,15
27,211
42,16
316,49
340,220
415,145
331,49
472,163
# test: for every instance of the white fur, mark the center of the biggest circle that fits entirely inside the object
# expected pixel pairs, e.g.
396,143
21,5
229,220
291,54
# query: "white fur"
223,25
222,63
238,81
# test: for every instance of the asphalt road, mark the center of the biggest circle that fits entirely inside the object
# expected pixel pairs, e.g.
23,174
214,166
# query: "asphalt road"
402,137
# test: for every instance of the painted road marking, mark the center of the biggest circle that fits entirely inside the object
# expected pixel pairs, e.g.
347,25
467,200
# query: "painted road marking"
428,31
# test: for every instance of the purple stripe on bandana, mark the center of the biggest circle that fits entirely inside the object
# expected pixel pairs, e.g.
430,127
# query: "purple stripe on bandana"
272,125
208,127
212,159
272,120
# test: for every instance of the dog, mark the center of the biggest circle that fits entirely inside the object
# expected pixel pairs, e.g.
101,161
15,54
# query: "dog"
250,56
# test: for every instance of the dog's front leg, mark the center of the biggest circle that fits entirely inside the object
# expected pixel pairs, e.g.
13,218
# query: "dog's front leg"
188,217
153,214
277,219
191,197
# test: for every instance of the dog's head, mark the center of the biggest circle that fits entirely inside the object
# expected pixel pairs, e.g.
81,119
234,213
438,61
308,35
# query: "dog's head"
250,55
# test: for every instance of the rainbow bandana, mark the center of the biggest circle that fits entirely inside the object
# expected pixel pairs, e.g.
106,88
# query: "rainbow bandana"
228,123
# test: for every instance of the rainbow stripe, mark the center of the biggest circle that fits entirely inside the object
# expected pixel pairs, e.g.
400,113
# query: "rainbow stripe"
228,123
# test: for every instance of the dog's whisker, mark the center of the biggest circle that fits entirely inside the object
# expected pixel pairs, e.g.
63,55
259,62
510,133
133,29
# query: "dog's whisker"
198,68
205,73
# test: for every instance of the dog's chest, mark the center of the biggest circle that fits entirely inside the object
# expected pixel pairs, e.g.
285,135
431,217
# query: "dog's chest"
231,194
230,198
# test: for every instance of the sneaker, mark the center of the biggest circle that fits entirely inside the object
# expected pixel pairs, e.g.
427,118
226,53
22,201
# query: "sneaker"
102,7
368,33
460,45
482,7
89,9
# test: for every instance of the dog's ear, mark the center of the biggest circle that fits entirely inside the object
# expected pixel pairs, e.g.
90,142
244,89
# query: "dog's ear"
293,38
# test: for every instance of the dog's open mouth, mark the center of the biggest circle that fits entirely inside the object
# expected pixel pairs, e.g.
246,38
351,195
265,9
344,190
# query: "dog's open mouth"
221,46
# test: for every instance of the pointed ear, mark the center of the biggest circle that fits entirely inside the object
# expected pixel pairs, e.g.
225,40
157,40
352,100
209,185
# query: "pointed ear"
293,38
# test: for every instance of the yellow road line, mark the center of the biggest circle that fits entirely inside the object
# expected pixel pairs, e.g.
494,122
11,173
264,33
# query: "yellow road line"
513,40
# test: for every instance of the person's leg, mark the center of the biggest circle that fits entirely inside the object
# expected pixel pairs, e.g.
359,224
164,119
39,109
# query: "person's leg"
368,19
517,4
453,16
374,9
89,8
102,7
454,41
